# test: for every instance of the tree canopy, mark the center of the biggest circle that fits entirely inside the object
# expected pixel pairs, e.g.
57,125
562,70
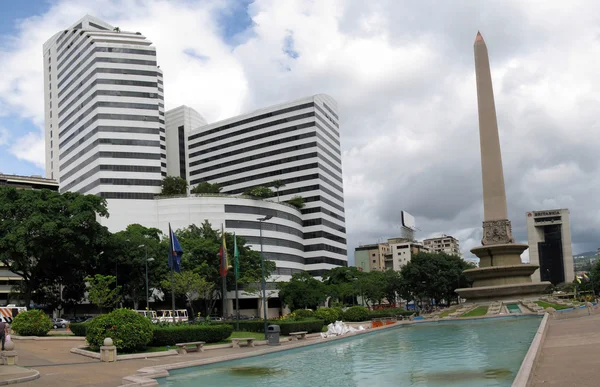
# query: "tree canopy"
207,188
173,185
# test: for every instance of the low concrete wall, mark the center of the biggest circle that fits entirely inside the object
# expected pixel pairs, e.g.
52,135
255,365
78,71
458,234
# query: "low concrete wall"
524,376
575,312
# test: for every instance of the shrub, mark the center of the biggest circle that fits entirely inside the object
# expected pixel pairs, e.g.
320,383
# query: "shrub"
309,325
355,314
32,323
303,313
393,312
130,331
329,315
79,329
171,335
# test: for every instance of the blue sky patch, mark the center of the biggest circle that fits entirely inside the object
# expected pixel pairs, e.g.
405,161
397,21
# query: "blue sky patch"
288,46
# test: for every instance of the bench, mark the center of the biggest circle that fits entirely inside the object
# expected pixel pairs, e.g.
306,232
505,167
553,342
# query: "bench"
298,335
248,340
182,350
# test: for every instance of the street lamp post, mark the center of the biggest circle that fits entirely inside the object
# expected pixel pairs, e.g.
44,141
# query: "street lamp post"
262,266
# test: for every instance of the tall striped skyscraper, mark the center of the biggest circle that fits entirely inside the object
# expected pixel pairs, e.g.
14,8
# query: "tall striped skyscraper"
297,143
104,105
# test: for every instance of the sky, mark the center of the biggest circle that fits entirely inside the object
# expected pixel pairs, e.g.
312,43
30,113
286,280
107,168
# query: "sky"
402,73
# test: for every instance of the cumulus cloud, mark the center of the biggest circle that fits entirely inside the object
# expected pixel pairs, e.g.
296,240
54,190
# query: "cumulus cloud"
402,73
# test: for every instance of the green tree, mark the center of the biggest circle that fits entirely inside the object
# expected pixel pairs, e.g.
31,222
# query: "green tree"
296,201
201,255
101,291
50,239
302,291
259,192
174,185
277,184
207,188
191,285
341,283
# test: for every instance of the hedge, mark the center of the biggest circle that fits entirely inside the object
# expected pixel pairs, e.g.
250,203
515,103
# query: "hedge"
329,315
129,331
32,323
356,314
391,313
79,329
311,326
171,335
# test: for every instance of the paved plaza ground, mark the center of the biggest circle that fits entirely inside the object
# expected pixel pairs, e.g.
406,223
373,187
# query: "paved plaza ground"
568,358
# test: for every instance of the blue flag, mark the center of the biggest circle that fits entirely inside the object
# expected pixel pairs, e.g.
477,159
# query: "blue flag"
175,252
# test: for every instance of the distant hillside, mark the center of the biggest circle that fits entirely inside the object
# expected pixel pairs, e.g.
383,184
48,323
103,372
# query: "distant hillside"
587,254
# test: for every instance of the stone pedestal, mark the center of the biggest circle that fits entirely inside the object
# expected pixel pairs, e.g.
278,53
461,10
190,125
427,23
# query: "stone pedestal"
10,357
108,352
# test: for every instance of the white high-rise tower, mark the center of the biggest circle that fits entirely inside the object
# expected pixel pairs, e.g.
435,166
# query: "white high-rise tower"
104,105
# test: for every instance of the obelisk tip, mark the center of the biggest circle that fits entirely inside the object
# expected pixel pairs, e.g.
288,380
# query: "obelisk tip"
478,38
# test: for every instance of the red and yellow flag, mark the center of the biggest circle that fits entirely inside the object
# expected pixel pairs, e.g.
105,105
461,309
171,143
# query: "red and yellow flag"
223,254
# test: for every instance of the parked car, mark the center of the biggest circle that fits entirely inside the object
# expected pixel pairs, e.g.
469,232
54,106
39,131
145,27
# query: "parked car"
60,323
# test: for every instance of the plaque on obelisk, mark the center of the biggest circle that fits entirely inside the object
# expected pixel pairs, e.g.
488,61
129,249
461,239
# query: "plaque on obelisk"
501,274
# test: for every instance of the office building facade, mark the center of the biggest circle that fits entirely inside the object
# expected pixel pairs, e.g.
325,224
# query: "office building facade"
297,143
104,106
549,237
179,123
444,244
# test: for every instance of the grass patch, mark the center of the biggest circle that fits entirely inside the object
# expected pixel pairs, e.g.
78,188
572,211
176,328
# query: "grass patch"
447,312
545,305
477,312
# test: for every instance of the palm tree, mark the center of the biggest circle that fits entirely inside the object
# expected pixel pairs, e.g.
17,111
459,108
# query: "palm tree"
277,184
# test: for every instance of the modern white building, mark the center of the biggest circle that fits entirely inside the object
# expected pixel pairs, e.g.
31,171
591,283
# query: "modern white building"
179,123
297,143
549,238
104,123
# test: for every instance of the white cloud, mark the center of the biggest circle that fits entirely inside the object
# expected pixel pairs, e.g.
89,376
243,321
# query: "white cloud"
403,77
3,136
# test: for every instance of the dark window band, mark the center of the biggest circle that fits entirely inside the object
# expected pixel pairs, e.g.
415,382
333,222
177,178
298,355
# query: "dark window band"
115,168
236,209
255,128
323,222
330,110
331,261
117,105
109,141
114,155
108,116
312,176
252,119
114,129
283,257
127,195
324,234
330,120
322,210
266,226
324,247
268,241
128,182
114,93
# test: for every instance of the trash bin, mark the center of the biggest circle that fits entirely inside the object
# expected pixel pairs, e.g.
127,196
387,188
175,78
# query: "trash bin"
273,334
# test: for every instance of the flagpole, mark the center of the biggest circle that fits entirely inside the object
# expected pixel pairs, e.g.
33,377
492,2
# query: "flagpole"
173,294
236,272
223,271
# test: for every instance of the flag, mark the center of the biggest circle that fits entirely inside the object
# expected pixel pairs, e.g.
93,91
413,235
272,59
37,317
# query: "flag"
236,258
586,278
175,252
579,279
223,254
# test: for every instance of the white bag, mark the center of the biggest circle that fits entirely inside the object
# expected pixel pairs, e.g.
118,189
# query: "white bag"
7,338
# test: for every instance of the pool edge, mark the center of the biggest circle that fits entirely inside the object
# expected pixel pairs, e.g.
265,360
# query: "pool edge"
525,374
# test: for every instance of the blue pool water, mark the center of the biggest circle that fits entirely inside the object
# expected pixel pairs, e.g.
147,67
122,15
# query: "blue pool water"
473,353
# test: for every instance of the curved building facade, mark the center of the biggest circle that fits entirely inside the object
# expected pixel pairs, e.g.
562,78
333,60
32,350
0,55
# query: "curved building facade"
297,143
282,234
104,105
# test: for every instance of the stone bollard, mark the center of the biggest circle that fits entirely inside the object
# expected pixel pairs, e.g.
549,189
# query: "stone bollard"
108,352
551,311
9,355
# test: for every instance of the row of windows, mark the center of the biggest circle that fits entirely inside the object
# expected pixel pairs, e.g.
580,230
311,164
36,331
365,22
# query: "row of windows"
113,93
114,155
242,141
110,141
96,82
324,222
127,195
255,128
268,241
109,116
72,47
260,146
324,234
113,129
324,247
103,49
107,104
236,209
331,111
252,119
182,159
128,182
256,166
329,202
322,210
115,168
246,159
266,226
328,117
249,178
331,261
283,257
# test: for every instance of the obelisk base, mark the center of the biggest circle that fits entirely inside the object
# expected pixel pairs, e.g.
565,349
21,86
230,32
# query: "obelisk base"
501,275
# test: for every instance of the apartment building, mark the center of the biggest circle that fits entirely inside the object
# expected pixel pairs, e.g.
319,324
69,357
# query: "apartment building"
443,244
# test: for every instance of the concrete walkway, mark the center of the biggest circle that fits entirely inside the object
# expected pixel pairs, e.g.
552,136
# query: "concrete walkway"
570,353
